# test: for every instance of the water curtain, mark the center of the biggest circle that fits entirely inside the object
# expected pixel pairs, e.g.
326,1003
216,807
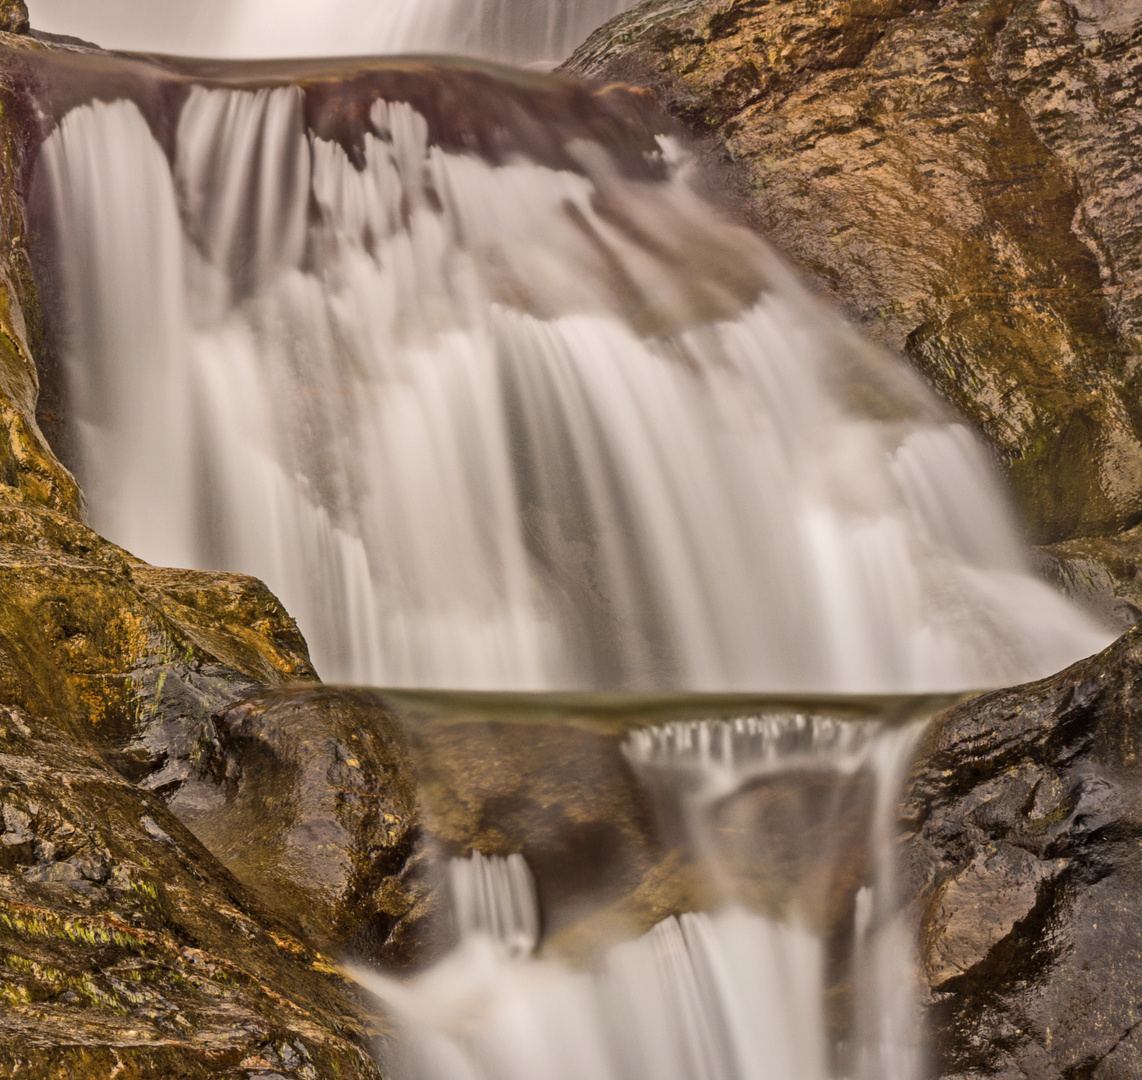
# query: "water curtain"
504,404
799,975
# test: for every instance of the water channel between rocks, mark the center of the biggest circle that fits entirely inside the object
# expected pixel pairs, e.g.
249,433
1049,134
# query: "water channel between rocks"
674,896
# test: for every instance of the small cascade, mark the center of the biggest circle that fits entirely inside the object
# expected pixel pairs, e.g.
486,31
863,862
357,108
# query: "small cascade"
495,897
504,404
773,985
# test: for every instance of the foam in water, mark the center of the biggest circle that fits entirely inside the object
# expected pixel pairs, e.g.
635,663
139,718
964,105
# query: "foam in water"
513,426
539,33
729,995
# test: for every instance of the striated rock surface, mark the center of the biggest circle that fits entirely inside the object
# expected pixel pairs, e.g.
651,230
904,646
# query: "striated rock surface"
125,948
1025,852
965,178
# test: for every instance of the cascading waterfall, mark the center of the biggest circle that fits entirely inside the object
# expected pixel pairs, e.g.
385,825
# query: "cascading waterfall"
736,994
539,33
527,420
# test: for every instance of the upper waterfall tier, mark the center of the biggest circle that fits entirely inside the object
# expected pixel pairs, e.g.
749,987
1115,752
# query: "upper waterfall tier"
530,32
456,360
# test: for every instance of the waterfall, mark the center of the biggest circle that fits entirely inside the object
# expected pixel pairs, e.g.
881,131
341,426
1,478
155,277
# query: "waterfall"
539,33
735,994
512,415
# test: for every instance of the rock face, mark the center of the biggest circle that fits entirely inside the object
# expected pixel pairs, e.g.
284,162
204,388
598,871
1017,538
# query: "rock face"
1025,852
126,949
308,796
965,178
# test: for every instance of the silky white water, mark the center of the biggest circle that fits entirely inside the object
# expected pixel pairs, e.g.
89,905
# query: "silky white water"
533,32
513,426
729,995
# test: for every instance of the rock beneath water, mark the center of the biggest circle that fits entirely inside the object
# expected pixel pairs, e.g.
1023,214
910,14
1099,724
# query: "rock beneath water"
1025,852
126,949
337,811
563,795
964,178
309,797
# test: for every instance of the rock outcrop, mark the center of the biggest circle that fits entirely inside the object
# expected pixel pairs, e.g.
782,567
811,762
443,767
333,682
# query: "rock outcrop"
1025,852
964,178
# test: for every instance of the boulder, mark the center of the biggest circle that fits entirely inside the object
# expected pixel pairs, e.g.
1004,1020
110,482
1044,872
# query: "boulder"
1024,851
308,796
964,178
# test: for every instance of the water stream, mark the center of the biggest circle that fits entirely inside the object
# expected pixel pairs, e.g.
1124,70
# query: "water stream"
803,972
462,367
456,359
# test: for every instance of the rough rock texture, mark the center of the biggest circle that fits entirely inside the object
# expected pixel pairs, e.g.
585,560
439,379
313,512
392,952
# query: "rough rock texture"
126,950
14,16
965,178
137,658
1026,854
309,798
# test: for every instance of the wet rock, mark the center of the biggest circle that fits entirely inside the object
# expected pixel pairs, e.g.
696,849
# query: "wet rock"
135,657
14,16
798,843
559,793
309,798
963,178
1025,851
127,950
1103,574
339,813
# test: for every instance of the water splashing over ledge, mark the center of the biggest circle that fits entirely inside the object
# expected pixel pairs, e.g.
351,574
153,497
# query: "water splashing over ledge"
774,983
507,407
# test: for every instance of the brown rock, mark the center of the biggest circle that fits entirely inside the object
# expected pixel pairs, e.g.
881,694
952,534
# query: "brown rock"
1025,850
126,949
964,178
309,798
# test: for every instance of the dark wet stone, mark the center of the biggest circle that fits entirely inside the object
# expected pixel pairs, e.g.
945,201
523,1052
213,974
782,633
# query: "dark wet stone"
309,797
1026,856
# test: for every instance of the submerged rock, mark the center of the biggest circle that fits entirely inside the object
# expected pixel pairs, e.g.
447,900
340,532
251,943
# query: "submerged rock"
338,810
1025,853
963,178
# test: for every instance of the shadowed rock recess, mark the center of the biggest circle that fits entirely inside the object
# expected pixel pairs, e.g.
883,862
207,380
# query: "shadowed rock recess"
963,177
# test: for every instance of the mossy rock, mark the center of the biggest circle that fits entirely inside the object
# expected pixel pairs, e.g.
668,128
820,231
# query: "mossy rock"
127,950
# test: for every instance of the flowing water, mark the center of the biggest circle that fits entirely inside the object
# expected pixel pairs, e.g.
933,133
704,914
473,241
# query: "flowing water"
458,363
539,33
773,984
455,358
